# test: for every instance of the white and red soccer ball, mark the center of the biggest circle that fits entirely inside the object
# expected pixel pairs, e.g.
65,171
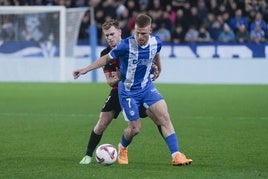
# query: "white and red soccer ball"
106,154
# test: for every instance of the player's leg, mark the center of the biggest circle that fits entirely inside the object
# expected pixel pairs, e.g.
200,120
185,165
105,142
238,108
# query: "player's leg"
131,114
157,105
110,110
146,113
130,131
161,117
96,135
160,110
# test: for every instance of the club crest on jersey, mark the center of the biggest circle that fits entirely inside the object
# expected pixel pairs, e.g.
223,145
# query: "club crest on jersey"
132,113
153,51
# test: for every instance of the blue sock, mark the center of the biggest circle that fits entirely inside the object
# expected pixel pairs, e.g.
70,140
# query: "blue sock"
172,142
125,142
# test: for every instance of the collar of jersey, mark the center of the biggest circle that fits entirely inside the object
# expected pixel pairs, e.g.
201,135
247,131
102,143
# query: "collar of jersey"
143,46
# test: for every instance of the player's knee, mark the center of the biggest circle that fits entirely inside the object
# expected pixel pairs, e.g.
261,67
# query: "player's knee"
136,130
166,116
164,121
99,129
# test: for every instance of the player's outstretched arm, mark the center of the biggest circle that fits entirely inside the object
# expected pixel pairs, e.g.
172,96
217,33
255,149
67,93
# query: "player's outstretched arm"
96,64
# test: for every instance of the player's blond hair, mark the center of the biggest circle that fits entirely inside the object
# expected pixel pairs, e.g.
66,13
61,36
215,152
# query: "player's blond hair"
143,20
109,23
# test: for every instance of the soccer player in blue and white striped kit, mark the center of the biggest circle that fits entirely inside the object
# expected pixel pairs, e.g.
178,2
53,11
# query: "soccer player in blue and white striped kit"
137,53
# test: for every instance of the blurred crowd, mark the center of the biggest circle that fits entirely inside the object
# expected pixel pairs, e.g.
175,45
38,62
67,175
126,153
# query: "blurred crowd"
176,21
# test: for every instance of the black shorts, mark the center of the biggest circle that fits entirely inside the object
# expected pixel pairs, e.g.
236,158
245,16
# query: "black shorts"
112,104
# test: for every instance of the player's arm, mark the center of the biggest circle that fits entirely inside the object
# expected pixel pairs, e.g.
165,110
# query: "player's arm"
113,77
156,67
96,64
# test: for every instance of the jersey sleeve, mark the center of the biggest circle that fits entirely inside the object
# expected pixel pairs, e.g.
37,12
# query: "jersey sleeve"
119,50
105,51
159,44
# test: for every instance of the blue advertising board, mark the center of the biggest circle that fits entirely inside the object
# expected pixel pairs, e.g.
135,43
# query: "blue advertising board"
182,51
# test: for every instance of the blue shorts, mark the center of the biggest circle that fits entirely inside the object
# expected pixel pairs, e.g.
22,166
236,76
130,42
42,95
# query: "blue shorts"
131,101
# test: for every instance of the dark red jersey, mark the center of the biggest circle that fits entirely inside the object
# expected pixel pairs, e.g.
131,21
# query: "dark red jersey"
112,65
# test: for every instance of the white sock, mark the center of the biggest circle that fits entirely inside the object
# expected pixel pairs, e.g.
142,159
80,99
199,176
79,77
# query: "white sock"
173,154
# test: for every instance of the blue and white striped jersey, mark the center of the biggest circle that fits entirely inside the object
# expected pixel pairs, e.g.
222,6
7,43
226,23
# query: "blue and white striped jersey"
136,61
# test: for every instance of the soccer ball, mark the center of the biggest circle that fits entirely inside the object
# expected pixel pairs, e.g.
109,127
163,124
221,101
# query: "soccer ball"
106,154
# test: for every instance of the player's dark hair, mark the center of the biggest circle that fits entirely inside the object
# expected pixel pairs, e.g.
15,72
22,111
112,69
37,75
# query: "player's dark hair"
143,20
109,23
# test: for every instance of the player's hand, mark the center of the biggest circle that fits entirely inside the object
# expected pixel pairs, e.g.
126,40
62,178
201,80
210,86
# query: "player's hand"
156,72
116,74
76,74
79,72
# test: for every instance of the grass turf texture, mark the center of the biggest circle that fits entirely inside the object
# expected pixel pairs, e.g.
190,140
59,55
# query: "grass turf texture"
44,130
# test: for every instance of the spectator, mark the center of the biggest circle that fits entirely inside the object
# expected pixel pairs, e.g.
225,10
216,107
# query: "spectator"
143,6
231,7
99,17
131,6
252,5
225,17
123,19
181,20
194,19
177,4
264,9
78,3
238,20
156,12
121,8
208,13
5,3
202,9
227,35
166,20
242,34
222,9
203,35
258,22
171,15
178,34
109,8
215,30
191,35
163,33
257,35
208,20
213,7
155,9
187,8
83,31
131,22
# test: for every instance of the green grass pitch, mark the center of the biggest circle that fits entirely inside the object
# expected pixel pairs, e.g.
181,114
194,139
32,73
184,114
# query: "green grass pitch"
44,129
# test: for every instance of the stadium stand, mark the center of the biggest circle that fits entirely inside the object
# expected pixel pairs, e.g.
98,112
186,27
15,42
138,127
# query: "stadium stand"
206,17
